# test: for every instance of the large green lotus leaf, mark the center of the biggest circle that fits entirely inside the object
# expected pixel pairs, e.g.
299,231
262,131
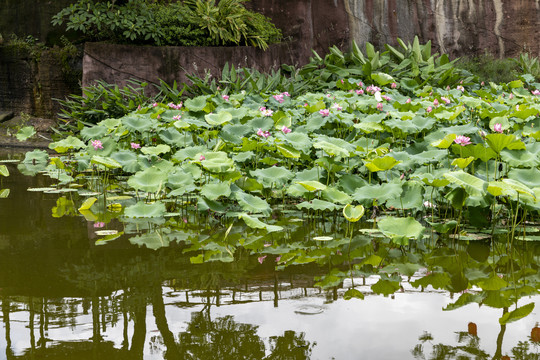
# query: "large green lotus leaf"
196,104
204,204
192,169
172,136
445,142
255,223
298,140
194,123
520,158
264,123
369,126
219,118
217,162
234,133
152,240
188,153
156,150
386,285
4,193
423,123
149,180
296,190
108,147
288,151
382,193
249,184
349,183
330,148
272,176
437,280
106,161
478,151
411,198
382,164
110,124
405,126
36,156
69,143
243,156
400,230
148,161
516,314
336,196
317,204
127,159
498,142
252,204
4,170
462,163
406,269
215,191
281,119
519,187
529,177
180,179
94,132
308,175
142,210
473,185
382,78
431,180
25,133
353,213
312,185
139,122
494,282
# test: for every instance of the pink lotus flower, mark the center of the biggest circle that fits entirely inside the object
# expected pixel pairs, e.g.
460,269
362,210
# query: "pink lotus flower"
498,128
265,111
380,106
278,258
97,144
462,140
337,107
174,106
260,259
324,112
279,98
511,96
285,93
393,85
436,102
360,92
429,109
536,92
446,100
155,104
387,98
372,89
482,83
201,158
99,224
460,88
177,117
135,145
262,133
360,84
225,97
408,101
285,129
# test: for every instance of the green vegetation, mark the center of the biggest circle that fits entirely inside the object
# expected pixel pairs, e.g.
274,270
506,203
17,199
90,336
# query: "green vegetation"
188,23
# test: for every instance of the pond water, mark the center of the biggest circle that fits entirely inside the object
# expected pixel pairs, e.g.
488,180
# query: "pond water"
66,293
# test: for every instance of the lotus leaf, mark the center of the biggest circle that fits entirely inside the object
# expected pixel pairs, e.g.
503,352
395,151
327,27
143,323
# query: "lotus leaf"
528,177
272,176
462,163
156,150
4,193
411,197
152,240
94,132
215,191
473,185
127,159
382,164
400,230
149,180
142,210
188,153
255,223
69,143
517,314
138,122
25,133
498,142
312,185
217,162
366,195
288,151
4,170
219,118
520,158
353,213
197,104
336,196
317,204
252,204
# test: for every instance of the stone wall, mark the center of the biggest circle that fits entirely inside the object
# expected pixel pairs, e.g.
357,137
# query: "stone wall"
31,81
455,27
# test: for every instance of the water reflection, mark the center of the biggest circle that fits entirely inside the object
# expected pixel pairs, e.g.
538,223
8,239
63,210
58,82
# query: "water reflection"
175,289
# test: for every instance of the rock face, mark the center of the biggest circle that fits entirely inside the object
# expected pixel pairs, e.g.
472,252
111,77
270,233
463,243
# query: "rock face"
455,27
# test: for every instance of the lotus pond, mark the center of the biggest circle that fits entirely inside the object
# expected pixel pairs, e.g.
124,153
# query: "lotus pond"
371,221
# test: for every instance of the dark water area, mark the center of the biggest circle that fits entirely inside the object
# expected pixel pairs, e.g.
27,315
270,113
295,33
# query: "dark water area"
65,294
